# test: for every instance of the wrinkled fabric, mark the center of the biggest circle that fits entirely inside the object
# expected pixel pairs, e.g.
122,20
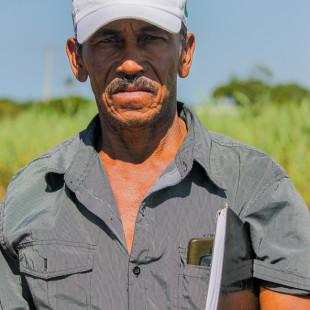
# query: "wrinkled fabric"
63,244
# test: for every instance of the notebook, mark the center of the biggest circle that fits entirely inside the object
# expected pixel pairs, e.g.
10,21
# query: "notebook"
231,285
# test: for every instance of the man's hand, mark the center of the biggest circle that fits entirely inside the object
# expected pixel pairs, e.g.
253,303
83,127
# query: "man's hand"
270,300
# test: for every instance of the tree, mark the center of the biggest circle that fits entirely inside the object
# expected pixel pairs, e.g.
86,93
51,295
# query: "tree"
258,85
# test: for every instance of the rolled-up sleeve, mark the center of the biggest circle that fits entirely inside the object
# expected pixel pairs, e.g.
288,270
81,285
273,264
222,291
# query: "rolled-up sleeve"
280,231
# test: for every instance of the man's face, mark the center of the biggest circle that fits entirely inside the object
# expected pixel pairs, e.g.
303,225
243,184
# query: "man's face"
133,68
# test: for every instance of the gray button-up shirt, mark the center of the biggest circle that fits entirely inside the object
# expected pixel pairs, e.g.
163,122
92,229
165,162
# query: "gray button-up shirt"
63,244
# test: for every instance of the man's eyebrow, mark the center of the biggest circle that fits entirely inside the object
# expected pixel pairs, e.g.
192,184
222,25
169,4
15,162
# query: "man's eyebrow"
151,28
106,32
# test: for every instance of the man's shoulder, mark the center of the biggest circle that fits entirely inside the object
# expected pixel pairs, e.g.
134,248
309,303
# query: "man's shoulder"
29,182
245,171
237,153
28,196
231,162
65,148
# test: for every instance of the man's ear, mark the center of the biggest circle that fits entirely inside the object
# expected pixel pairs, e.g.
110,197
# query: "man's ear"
76,61
187,56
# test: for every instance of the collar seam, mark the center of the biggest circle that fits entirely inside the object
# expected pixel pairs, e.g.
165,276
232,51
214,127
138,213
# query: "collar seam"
90,130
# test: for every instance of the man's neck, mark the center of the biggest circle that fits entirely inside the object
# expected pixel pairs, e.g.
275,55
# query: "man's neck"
140,145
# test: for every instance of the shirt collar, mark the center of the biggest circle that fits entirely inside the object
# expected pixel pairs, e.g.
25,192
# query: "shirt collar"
197,147
73,158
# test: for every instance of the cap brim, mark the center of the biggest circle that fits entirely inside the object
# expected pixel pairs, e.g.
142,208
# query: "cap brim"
94,21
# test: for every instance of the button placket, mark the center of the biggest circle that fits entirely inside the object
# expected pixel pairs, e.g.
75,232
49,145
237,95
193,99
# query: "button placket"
137,268
136,288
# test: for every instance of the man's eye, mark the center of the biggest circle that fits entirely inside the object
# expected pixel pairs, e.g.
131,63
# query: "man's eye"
150,38
109,40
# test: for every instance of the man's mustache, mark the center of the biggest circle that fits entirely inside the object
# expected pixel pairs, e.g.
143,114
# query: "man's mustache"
126,81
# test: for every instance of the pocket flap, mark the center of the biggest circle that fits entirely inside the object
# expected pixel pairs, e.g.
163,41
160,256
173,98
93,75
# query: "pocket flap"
49,259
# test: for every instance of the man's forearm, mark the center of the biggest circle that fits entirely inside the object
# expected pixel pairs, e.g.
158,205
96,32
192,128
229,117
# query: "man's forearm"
270,300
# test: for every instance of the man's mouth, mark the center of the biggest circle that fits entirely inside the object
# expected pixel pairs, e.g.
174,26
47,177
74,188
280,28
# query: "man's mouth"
131,89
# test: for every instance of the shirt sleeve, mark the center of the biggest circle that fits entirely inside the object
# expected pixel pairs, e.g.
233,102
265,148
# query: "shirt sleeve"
14,293
280,232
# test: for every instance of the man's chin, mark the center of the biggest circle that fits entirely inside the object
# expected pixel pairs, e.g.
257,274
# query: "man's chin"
134,119
142,109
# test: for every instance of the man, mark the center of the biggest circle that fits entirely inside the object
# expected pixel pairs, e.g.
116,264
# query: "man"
102,220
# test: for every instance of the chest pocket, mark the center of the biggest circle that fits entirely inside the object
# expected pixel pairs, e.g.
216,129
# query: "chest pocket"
193,287
58,273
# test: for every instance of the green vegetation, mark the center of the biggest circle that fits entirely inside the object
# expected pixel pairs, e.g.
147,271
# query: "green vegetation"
32,128
281,130
255,89
258,87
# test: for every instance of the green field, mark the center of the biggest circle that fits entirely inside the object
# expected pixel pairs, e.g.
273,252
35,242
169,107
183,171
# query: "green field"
281,130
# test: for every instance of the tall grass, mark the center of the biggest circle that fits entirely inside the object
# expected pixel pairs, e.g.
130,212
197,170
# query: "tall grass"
282,131
34,131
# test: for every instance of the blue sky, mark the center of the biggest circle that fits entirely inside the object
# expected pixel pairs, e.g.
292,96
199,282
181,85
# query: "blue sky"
232,37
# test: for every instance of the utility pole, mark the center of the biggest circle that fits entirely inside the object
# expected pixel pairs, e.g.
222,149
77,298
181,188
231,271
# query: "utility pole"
48,76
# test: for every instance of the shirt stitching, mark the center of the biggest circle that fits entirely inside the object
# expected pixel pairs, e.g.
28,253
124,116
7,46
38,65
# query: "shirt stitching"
2,206
275,179
261,264
94,196
250,148
218,172
89,132
73,244
83,267
289,282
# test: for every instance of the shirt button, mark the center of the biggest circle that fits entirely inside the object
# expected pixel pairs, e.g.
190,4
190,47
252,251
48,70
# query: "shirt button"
136,271
3,244
184,166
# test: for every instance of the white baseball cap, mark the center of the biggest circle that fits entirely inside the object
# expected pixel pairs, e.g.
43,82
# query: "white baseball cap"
91,15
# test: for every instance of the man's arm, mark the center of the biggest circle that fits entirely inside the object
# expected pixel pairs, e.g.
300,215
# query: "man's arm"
270,300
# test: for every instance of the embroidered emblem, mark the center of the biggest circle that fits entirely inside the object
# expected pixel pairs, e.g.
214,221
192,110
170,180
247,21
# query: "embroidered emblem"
186,9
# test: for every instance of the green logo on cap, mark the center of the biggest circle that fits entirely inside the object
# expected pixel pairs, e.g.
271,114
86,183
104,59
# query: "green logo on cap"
186,9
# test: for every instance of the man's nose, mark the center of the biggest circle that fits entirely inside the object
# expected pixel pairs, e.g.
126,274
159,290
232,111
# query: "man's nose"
130,67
